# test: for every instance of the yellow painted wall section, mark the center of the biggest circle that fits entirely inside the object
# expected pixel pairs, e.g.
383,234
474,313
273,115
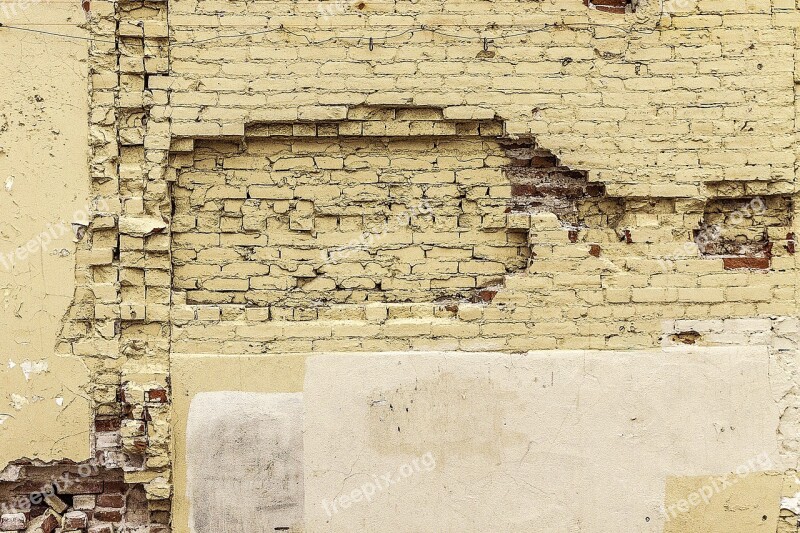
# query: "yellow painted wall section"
44,186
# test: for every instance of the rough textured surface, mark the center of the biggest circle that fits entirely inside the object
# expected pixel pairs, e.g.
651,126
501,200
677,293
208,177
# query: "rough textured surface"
610,161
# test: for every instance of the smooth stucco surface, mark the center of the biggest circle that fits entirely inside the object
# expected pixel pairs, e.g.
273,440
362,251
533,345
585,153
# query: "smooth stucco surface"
245,462
519,439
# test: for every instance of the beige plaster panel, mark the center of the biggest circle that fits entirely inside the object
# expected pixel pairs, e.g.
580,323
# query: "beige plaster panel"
549,441
44,183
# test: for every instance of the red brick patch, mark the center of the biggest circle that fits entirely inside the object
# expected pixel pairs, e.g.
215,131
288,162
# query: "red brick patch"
732,263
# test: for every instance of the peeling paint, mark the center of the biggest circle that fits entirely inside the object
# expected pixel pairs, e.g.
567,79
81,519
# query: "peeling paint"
35,367
791,504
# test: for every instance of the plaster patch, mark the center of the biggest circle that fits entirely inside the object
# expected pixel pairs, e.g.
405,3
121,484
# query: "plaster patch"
244,462
602,428
723,503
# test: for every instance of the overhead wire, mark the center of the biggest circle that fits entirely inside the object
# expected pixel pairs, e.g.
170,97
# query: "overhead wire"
436,30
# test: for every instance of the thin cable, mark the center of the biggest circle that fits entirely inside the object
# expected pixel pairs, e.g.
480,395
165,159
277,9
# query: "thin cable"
76,37
411,30
227,37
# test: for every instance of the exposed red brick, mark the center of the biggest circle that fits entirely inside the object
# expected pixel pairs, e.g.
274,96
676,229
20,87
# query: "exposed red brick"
732,263
157,395
573,235
49,523
626,236
486,295
107,424
78,485
108,515
594,250
111,500
790,245
115,486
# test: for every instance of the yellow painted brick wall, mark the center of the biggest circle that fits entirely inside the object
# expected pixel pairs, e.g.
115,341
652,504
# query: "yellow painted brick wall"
236,142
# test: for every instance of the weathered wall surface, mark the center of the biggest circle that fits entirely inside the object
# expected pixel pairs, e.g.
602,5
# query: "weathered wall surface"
275,179
44,409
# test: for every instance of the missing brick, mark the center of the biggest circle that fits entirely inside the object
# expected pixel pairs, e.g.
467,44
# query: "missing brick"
541,184
740,230
612,6
686,337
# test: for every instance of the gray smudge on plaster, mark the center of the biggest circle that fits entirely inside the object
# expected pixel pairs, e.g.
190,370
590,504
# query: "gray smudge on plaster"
245,462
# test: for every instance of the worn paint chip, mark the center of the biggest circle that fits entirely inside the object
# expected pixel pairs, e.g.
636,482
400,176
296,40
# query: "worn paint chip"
36,367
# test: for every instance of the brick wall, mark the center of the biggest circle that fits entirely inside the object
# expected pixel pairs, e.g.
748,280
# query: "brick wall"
558,164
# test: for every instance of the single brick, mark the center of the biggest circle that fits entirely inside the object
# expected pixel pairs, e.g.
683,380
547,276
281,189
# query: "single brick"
108,515
84,502
733,263
110,500
75,520
55,503
12,522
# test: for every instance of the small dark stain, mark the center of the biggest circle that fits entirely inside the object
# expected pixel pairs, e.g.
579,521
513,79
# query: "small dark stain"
573,235
686,337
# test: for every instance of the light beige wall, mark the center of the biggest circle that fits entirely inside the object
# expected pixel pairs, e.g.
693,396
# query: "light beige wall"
574,441
44,183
